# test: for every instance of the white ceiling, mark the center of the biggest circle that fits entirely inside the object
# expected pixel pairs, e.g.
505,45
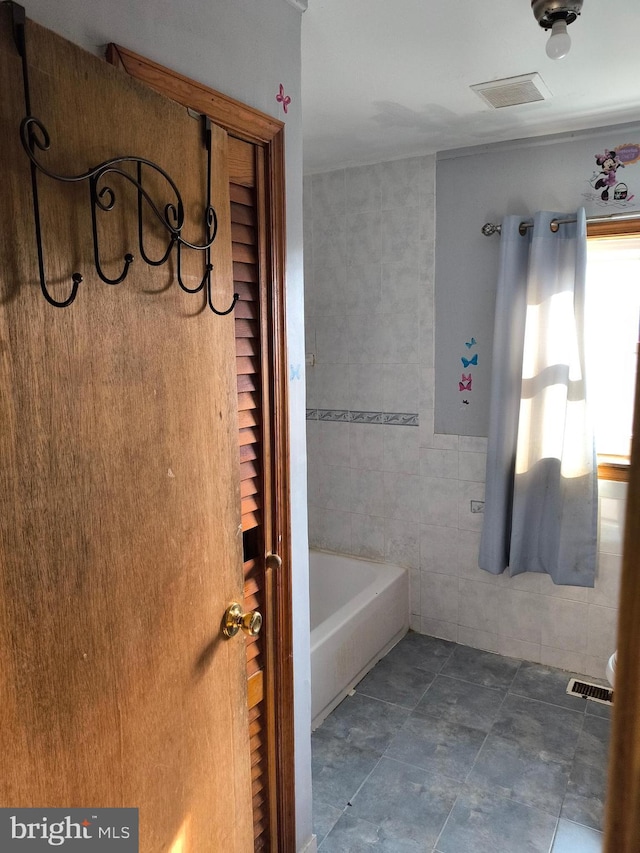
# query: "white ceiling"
383,79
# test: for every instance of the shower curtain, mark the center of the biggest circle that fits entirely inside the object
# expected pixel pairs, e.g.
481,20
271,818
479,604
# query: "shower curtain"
541,481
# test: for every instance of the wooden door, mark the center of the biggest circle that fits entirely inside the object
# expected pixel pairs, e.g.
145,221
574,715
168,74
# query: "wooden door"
120,530
256,176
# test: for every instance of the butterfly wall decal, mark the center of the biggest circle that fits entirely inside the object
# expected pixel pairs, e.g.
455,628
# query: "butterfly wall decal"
470,343
466,362
283,99
465,385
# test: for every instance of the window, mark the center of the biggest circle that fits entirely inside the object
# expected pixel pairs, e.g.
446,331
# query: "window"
613,322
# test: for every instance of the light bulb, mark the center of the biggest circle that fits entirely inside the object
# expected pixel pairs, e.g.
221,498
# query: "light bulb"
559,40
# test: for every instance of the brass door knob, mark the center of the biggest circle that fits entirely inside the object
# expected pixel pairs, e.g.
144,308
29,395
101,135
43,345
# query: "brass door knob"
235,619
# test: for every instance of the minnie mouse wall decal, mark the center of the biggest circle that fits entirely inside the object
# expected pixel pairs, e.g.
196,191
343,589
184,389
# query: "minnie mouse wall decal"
609,165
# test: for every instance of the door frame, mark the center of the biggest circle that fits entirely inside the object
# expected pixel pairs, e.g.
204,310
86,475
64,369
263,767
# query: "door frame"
253,126
622,825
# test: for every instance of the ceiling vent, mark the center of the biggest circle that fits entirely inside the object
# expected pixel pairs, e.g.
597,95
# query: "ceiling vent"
513,91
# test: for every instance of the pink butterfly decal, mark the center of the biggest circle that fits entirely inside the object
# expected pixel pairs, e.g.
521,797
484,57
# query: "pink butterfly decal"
465,385
283,99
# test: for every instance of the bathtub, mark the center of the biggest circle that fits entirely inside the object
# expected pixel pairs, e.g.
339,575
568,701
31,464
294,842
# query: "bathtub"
359,610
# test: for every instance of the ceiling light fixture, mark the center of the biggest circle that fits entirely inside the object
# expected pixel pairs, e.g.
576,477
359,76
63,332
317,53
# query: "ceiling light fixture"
556,15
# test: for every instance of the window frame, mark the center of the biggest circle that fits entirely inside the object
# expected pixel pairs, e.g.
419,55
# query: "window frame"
613,467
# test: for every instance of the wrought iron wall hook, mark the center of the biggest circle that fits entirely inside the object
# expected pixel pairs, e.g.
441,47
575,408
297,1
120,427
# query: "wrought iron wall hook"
102,197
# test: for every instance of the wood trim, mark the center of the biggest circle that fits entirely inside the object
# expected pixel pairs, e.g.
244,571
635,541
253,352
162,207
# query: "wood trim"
613,468
622,827
614,228
233,116
284,686
253,126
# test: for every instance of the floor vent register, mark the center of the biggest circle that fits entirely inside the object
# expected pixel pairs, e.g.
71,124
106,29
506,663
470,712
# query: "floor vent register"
596,692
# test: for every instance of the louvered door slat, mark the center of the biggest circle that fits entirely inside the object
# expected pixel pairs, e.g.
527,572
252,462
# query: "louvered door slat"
242,195
246,364
248,418
249,487
244,254
247,310
244,272
246,347
250,520
246,402
248,470
242,214
243,233
248,452
245,290
246,329
246,382
248,436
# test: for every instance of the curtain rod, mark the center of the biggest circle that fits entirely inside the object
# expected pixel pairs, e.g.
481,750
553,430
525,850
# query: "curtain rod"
489,228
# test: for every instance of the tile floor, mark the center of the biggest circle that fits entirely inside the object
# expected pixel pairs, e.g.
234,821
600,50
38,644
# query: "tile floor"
448,749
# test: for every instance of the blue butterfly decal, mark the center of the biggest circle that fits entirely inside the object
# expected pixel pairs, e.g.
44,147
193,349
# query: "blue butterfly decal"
471,343
466,361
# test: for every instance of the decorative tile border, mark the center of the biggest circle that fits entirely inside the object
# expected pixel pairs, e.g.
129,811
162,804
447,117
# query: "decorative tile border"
401,418
367,417
345,416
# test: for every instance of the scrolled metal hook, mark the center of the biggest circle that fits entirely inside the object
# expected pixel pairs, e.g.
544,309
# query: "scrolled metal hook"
210,301
76,278
35,137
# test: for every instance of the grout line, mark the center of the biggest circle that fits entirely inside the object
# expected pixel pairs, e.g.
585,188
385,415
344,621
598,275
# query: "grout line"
473,683
466,778
386,702
353,796
555,832
444,825
582,712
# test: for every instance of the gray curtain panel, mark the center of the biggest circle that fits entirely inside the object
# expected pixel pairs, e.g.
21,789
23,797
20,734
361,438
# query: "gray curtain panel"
541,499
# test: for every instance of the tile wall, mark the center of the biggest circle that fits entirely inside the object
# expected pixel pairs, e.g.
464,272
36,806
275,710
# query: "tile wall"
381,484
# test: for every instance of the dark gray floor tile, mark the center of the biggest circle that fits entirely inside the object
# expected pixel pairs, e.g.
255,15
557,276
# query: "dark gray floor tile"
351,835
461,702
486,823
532,778
585,797
539,727
437,745
584,800
397,682
480,667
546,684
338,769
409,804
365,722
593,743
597,709
325,818
573,838
423,652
